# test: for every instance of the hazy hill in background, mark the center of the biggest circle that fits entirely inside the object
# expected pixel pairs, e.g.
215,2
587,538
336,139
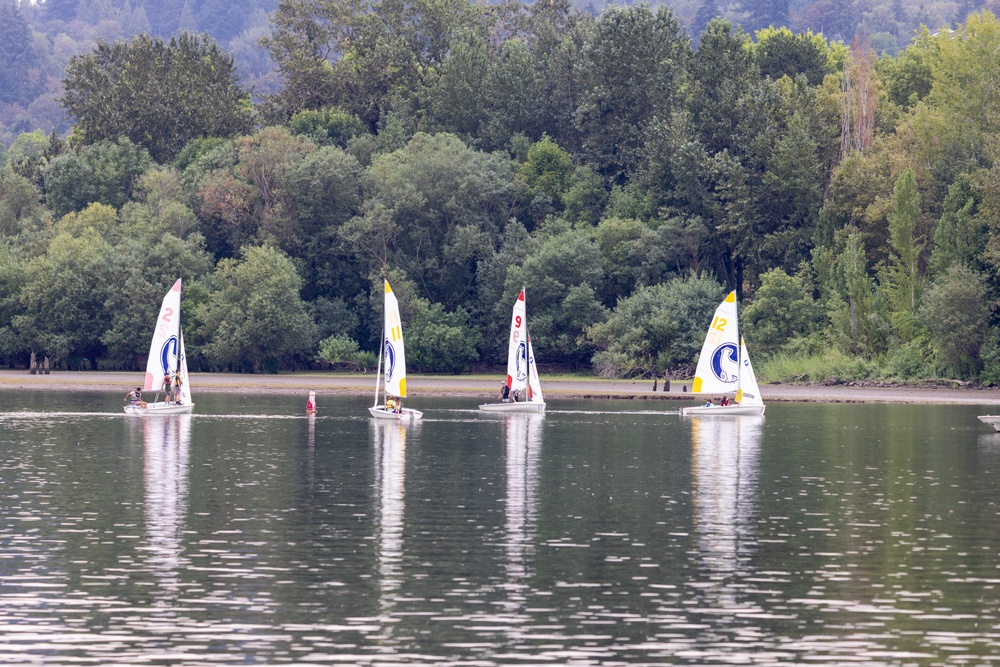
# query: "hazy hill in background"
38,39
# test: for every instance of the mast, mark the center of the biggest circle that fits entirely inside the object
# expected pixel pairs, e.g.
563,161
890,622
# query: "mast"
378,374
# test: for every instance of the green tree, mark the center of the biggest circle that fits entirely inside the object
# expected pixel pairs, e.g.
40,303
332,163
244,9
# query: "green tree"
328,126
657,328
438,340
62,304
563,277
635,70
961,235
20,80
255,317
904,280
955,311
158,95
445,205
782,309
779,52
909,76
105,172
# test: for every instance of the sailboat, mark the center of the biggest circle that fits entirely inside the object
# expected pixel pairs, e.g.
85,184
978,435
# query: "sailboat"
395,366
724,367
166,358
522,374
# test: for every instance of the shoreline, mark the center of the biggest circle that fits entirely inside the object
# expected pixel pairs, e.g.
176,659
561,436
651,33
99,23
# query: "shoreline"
483,386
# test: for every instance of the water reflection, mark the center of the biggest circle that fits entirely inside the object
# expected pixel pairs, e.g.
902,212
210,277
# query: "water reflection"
390,480
166,441
523,447
725,461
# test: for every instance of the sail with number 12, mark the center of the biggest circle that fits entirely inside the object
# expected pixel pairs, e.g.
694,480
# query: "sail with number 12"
724,367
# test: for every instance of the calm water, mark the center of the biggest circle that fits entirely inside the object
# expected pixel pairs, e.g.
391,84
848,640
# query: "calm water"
604,533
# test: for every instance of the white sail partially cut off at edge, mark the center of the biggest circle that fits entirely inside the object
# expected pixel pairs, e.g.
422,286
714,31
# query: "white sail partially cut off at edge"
749,393
534,384
183,373
719,363
395,355
166,344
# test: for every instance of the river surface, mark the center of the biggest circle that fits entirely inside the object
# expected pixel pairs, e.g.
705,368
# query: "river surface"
602,533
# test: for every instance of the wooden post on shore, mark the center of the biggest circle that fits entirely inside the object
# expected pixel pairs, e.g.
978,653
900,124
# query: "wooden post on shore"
33,368
45,366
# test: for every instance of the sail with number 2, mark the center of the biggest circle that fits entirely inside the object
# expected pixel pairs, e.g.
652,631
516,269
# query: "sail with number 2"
167,359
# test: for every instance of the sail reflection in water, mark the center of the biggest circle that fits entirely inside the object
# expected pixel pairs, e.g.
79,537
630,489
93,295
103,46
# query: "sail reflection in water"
725,460
390,480
167,441
524,448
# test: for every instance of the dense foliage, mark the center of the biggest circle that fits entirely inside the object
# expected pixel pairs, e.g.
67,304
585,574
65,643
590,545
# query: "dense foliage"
625,176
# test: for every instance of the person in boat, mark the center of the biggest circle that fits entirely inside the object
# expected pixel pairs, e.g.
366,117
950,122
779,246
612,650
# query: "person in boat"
516,396
134,397
724,401
168,387
504,393
177,388
709,404
390,405
399,407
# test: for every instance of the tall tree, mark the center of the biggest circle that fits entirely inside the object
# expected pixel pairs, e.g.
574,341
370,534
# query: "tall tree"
256,319
159,95
905,279
635,70
20,76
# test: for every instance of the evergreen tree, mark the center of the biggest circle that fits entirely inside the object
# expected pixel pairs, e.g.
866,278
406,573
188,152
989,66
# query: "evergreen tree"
767,13
20,80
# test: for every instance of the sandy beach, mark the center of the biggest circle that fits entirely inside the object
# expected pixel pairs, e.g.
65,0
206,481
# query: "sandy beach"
485,386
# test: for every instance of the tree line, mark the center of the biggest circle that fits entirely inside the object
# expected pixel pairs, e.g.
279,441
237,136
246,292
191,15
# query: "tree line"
626,177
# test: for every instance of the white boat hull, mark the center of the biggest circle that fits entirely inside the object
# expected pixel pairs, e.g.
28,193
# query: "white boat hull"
723,410
379,412
992,420
523,406
153,409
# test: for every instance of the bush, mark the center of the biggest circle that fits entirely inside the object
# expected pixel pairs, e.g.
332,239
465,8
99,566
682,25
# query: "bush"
342,351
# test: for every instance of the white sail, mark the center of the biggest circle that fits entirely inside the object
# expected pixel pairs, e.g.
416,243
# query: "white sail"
166,359
534,385
517,348
719,363
395,356
749,392
165,346
522,374
182,373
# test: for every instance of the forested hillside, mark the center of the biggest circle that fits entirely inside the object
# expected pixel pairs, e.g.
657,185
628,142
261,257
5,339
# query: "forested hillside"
625,175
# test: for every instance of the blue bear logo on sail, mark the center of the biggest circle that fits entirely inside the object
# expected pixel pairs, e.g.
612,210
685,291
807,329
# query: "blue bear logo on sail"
521,362
390,360
726,363
167,354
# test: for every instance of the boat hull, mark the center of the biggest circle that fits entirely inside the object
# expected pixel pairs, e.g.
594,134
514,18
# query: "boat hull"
524,406
407,415
723,410
992,420
153,409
